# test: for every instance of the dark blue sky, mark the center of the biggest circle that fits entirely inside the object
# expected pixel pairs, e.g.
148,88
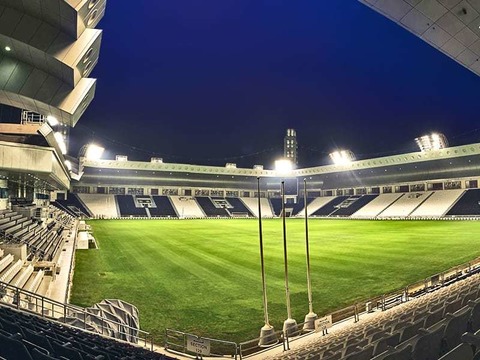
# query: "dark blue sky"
217,80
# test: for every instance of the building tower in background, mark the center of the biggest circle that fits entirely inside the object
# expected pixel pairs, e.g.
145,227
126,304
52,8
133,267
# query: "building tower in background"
290,146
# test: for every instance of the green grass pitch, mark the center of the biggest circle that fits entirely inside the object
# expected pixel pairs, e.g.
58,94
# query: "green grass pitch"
203,276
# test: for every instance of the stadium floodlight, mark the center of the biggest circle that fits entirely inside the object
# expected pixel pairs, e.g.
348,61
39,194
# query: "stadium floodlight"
434,141
342,157
52,120
283,166
61,142
94,152
8,48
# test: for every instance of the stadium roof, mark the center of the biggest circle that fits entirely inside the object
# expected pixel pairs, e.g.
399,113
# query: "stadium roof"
451,26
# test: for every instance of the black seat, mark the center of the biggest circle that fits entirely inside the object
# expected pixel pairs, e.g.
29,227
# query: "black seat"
38,355
39,339
10,327
13,349
65,351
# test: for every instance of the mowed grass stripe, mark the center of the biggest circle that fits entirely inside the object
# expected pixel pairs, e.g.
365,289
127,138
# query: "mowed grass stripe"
203,276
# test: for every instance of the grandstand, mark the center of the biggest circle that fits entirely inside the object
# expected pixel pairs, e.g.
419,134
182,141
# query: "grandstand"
440,325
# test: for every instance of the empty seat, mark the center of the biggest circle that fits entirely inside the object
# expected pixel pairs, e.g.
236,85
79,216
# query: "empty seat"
10,327
13,349
336,356
471,296
461,352
456,325
364,354
377,336
386,343
451,307
66,351
38,338
475,318
403,353
429,345
38,355
433,318
411,330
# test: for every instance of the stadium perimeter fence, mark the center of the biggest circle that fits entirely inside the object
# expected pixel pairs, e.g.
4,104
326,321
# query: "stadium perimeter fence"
246,216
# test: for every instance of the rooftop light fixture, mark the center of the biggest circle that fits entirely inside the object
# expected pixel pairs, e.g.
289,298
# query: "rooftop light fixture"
342,157
94,152
283,166
434,141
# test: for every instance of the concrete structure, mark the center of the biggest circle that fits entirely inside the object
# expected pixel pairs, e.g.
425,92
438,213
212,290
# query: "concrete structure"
290,146
48,48
451,26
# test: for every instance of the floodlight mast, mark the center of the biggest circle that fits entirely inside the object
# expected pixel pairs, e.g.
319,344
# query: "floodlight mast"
285,255
289,325
267,332
309,323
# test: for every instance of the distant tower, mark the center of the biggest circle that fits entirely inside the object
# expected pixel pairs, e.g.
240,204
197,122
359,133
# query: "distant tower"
290,146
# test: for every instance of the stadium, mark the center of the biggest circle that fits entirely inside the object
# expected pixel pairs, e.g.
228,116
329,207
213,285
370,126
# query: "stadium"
107,257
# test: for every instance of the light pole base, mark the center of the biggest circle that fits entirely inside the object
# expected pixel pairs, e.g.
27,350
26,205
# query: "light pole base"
290,328
309,323
267,336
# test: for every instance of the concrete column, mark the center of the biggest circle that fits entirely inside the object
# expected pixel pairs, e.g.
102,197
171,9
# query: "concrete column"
3,194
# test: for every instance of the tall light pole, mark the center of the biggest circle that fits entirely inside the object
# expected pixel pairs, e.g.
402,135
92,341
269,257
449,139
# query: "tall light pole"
289,325
309,323
267,332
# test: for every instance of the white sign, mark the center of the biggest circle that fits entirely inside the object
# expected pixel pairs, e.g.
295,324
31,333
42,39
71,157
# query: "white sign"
323,323
198,345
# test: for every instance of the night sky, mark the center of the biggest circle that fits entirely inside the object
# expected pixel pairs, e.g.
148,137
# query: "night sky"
215,81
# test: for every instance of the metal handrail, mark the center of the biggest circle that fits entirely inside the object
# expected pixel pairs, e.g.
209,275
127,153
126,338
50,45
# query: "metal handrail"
181,336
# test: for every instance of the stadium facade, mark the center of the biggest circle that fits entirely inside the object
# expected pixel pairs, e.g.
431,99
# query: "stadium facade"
455,167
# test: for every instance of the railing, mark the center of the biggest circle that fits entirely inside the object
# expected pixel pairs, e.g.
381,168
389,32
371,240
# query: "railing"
178,342
57,311
30,117
175,340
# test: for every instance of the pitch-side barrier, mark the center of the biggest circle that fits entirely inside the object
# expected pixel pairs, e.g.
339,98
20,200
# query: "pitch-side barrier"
199,347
